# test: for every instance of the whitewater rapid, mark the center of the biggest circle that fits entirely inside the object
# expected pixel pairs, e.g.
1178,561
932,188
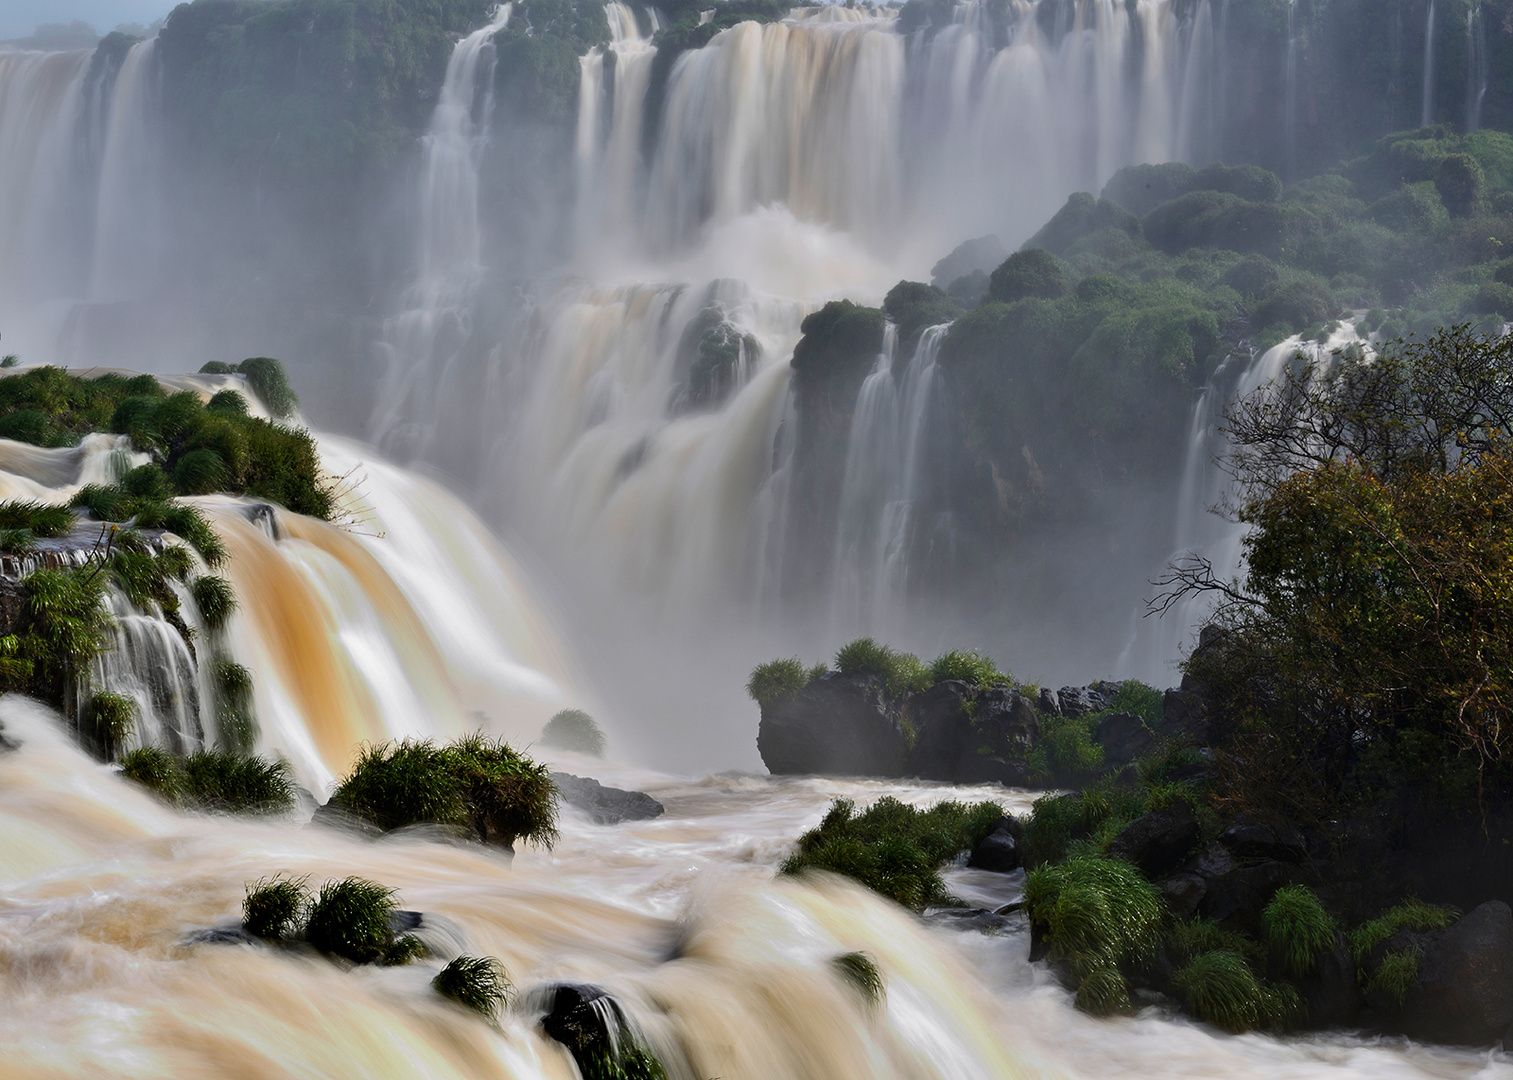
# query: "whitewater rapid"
724,968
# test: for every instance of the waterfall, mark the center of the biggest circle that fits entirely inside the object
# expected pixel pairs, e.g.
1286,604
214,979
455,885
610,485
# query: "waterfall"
1290,93
1478,67
1202,526
147,660
609,154
128,219
887,483
1426,116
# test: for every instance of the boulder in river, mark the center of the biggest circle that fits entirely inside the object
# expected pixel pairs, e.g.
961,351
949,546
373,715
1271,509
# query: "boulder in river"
838,725
999,850
1158,841
1464,989
606,805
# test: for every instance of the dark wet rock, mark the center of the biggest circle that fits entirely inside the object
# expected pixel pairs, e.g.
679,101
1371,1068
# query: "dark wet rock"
945,737
331,816
1332,991
1079,700
980,919
1237,895
1124,737
606,805
1464,990
1158,841
230,934
1047,702
583,1018
1009,721
998,851
1184,893
1250,838
6,742
839,725
402,922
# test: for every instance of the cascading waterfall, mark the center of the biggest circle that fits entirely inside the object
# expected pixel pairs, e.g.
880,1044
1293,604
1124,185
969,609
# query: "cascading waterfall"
1478,67
127,216
1203,527
147,660
888,479
1426,116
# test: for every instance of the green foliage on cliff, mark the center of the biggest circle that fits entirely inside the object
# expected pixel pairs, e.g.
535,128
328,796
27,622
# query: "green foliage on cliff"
777,681
892,848
538,73
902,673
840,339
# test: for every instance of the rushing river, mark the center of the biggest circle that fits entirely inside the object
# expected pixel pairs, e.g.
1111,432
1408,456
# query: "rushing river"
725,968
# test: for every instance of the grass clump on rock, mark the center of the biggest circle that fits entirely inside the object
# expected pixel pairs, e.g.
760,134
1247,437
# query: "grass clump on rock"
574,729
1220,987
1411,914
893,848
777,681
1298,928
477,982
902,673
353,919
1100,916
213,780
113,718
275,908
968,666
860,971
477,784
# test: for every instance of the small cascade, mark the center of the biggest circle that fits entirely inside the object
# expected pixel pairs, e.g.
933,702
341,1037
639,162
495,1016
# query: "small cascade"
889,477
1201,530
128,221
1426,116
425,337
148,660
1290,93
1478,66
609,143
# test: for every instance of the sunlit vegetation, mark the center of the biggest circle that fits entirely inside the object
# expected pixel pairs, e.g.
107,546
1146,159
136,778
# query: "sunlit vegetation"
479,785
893,848
213,780
276,907
574,729
475,982
1298,928
353,919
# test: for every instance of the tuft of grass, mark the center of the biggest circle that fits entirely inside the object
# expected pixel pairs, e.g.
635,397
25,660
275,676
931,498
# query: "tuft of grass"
215,598
970,667
902,673
1095,912
1298,928
893,848
114,720
475,783
227,403
777,681
155,769
858,969
1103,992
1221,988
39,519
574,729
201,472
477,982
231,783
17,542
233,706
268,381
1191,938
1412,914
405,950
1058,823
275,907
351,919
195,528
1395,975
1166,757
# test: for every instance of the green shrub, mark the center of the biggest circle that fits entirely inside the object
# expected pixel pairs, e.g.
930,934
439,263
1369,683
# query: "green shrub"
1412,914
1298,928
777,681
143,482
477,784
1033,272
65,624
231,783
228,403
405,950
352,919
477,982
217,367
17,541
201,472
1146,702
1220,987
1103,992
1066,748
29,426
215,598
1190,938
858,969
1166,757
267,379
892,848
902,673
574,729
155,769
113,718
969,667
275,907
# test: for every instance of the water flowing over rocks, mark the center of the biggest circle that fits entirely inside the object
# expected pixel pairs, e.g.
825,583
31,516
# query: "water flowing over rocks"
606,805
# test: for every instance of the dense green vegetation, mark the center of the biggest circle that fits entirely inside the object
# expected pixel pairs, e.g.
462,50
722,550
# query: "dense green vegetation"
893,848
574,729
476,784
276,907
475,982
213,780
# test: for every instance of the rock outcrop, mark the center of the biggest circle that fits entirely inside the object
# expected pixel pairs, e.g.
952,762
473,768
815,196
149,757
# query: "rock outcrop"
606,805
